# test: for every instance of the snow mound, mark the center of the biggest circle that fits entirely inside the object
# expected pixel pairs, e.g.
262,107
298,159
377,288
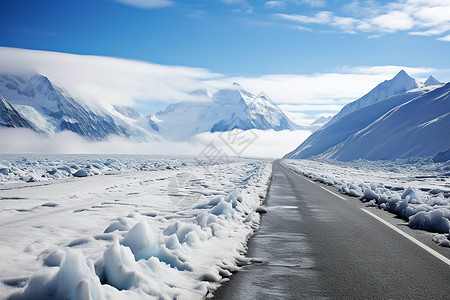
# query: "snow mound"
75,279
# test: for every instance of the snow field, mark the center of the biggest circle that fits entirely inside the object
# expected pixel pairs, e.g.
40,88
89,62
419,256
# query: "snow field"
415,190
126,238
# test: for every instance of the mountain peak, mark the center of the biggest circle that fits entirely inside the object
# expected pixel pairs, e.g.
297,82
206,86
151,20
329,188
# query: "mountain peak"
402,75
236,86
432,81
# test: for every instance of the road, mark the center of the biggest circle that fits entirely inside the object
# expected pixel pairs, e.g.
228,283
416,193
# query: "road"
319,244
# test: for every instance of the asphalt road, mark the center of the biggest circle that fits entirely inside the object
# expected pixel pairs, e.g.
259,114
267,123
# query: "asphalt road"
320,245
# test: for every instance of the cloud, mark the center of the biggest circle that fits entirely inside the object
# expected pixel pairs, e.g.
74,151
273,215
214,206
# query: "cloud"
349,83
108,80
25,141
147,4
393,21
311,107
417,17
445,38
274,4
323,17
282,3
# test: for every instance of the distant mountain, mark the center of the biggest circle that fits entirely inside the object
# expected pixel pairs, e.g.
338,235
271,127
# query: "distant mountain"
322,120
401,83
431,81
48,108
414,123
37,103
226,110
9,117
128,112
417,128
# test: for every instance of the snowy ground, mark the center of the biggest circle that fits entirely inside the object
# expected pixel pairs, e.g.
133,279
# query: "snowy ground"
135,227
415,190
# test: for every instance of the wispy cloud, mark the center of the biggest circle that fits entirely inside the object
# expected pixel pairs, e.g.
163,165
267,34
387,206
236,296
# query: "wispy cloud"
416,17
283,3
108,80
147,4
445,38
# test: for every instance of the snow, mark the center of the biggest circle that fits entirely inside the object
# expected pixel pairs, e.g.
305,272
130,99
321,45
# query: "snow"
431,81
119,233
417,128
415,189
412,124
50,109
331,135
227,109
401,83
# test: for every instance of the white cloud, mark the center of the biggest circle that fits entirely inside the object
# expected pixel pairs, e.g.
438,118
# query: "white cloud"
274,4
393,21
311,107
25,141
417,17
445,38
282,3
323,17
147,4
108,80
340,87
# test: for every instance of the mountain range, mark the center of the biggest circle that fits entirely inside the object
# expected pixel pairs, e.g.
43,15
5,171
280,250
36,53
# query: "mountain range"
35,102
399,118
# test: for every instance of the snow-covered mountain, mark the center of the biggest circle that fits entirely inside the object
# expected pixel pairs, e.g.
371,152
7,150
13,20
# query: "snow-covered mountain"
368,132
431,81
35,102
401,83
128,112
226,110
48,108
9,117
417,128
322,120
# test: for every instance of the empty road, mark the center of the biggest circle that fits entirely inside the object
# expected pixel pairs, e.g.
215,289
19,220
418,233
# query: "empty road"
319,244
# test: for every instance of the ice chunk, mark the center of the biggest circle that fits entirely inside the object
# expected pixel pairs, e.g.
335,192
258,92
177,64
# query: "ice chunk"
80,173
53,258
369,194
75,280
142,241
223,208
413,195
261,209
122,224
119,265
433,221
4,170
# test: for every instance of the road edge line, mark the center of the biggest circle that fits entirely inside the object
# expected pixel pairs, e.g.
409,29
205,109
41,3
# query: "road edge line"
333,193
404,234
307,179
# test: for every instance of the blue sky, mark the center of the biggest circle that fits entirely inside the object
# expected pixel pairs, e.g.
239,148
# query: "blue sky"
242,39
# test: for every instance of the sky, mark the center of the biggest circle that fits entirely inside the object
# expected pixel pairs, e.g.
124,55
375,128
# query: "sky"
310,56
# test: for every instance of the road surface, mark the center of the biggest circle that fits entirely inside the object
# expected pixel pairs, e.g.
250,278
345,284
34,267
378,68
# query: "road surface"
319,244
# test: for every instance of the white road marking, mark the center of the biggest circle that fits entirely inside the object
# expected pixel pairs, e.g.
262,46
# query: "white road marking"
333,193
304,177
420,244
